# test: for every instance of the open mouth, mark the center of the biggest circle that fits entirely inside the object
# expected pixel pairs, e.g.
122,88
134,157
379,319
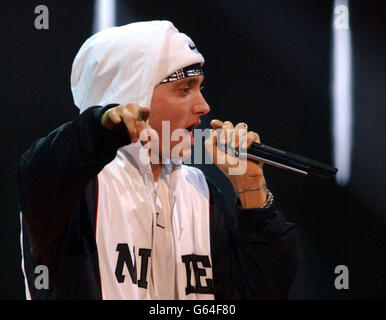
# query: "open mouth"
190,128
194,125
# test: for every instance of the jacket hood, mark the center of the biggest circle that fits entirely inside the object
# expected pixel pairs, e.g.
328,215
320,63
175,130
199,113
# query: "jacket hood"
124,64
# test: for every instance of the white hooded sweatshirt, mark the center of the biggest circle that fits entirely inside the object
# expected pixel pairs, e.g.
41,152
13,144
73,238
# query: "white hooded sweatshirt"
123,65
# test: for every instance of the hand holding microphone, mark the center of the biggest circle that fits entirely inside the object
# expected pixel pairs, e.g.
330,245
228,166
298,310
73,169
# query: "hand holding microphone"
282,159
246,177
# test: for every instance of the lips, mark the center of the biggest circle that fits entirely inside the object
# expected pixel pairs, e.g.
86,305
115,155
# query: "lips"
191,127
191,138
190,130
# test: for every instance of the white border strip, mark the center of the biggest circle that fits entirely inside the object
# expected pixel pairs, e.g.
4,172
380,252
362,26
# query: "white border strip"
27,292
341,91
104,15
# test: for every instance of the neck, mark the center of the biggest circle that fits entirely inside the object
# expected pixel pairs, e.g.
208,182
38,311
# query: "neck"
156,169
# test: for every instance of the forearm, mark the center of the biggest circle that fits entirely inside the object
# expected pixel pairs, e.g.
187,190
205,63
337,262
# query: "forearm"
56,169
256,255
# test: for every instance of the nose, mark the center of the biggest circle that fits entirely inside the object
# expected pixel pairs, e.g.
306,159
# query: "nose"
201,107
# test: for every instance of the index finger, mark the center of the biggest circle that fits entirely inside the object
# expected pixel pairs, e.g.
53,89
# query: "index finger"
143,114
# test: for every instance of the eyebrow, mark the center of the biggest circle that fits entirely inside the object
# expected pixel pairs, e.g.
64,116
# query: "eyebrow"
189,81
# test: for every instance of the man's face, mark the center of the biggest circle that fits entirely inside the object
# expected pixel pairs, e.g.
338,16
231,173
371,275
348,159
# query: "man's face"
179,102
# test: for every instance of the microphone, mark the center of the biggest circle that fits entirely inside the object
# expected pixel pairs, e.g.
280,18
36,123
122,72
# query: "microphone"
289,161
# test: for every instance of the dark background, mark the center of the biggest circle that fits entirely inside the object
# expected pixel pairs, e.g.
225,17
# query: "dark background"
268,64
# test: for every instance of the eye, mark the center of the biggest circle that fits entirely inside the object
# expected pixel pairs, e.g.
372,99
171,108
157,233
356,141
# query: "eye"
185,90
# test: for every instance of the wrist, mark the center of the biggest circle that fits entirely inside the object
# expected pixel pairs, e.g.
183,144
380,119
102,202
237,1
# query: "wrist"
248,183
253,198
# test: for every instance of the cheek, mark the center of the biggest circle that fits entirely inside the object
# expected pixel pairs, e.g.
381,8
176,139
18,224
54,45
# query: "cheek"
167,107
178,116
158,113
154,121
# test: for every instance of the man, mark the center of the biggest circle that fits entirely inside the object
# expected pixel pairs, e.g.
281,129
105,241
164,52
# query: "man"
109,225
